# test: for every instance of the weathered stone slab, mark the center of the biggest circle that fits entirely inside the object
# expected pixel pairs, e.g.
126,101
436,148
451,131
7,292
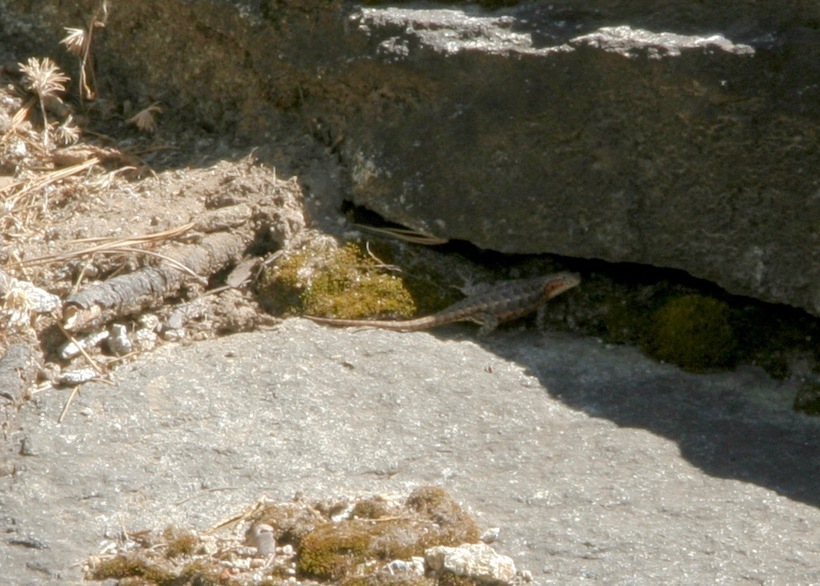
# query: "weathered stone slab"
533,134
676,135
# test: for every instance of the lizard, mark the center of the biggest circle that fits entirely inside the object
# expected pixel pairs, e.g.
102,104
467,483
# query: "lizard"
504,301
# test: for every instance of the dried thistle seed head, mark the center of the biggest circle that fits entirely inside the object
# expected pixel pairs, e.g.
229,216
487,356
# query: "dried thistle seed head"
145,120
43,77
68,132
74,41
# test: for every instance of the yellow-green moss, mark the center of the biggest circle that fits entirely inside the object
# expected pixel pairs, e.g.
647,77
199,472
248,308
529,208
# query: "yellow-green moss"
353,287
131,566
179,542
387,579
332,549
135,569
455,526
371,508
341,551
351,552
280,287
290,521
693,332
450,579
329,282
203,573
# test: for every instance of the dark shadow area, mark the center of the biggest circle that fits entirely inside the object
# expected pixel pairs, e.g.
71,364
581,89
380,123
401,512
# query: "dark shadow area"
719,427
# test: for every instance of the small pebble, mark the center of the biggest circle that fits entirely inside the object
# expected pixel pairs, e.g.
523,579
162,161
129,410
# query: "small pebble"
73,378
260,536
118,341
490,535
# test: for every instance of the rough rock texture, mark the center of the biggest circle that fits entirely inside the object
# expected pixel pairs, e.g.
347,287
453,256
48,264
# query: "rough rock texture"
675,135
532,134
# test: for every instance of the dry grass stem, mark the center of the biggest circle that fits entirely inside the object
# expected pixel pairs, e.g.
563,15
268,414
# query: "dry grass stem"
22,200
68,402
81,348
111,245
79,42
380,262
169,260
404,234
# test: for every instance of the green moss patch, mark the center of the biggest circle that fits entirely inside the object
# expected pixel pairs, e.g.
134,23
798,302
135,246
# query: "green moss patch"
430,517
179,542
340,541
135,566
807,399
334,282
453,525
694,332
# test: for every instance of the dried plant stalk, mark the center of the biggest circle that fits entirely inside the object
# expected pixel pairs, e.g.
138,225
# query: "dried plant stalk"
44,78
148,287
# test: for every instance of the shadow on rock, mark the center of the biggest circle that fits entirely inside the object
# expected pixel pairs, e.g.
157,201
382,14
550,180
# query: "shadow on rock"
721,422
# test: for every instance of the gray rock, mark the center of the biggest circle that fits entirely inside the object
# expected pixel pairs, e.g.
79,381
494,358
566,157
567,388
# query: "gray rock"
534,133
260,536
676,135
119,343
490,535
597,464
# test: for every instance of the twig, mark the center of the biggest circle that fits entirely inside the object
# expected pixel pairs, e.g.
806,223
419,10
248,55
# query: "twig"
48,178
109,245
175,263
380,262
68,402
412,236
82,350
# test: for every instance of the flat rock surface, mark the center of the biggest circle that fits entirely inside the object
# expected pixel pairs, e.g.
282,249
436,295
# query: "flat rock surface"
598,465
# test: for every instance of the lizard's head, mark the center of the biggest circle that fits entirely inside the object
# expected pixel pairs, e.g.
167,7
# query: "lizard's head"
561,282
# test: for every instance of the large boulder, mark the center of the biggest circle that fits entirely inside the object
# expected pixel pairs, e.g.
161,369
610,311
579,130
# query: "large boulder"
538,131
670,134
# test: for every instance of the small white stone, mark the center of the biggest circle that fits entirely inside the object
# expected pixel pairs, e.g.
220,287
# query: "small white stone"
77,377
414,566
148,321
145,339
118,341
260,536
473,560
71,349
174,335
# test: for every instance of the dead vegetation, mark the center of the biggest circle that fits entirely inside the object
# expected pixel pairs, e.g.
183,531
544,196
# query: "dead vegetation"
373,540
103,256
